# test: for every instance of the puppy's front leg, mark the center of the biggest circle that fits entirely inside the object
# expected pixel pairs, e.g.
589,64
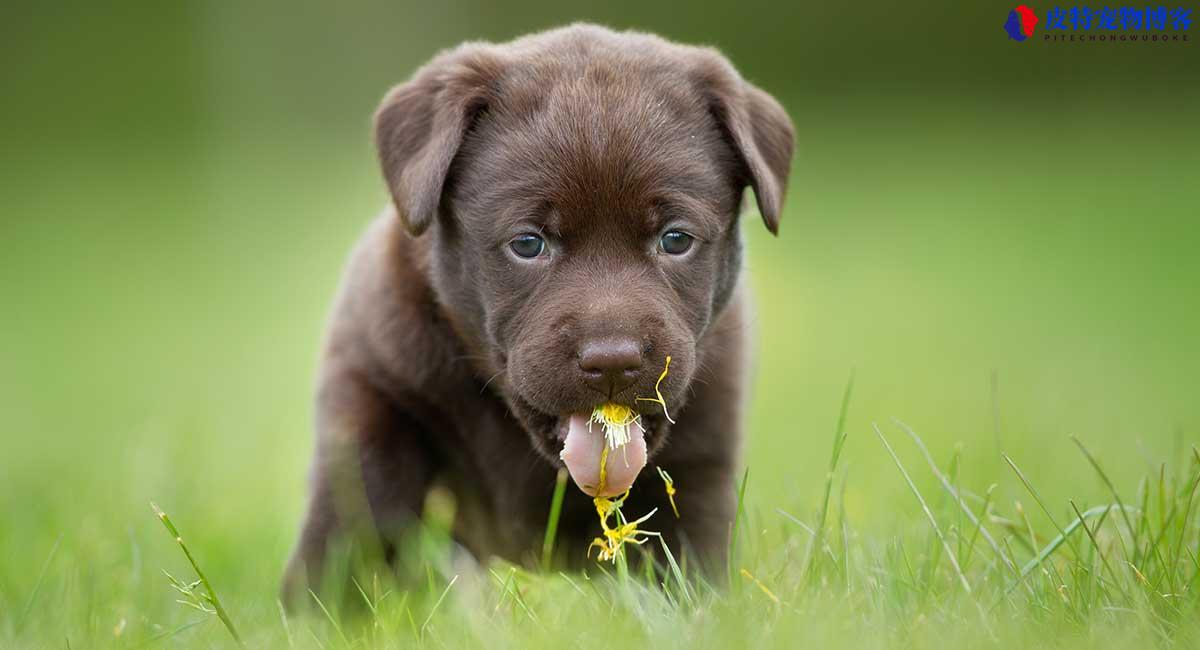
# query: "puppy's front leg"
370,475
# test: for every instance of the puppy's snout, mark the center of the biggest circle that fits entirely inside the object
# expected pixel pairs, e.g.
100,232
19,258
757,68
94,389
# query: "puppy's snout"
610,365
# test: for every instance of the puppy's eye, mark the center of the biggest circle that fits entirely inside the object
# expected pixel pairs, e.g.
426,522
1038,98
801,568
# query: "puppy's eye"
675,242
527,246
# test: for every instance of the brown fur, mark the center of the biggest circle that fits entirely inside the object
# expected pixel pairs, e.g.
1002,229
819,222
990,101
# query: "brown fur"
450,359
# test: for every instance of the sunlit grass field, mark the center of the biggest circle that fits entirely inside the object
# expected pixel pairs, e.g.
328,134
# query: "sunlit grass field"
1011,286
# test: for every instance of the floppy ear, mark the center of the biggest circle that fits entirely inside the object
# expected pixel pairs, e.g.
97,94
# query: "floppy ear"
759,129
420,124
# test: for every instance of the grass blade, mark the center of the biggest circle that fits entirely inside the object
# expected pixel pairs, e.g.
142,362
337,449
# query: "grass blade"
329,616
977,522
287,627
37,585
1099,551
560,489
166,634
674,566
1041,504
437,604
1107,483
212,593
1053,545
925,507
738,515
839,441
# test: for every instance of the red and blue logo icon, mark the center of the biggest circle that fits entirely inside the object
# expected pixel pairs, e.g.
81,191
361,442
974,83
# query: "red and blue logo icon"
1021,22
1107,24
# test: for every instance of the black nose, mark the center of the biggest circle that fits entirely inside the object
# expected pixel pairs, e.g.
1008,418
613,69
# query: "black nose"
610,365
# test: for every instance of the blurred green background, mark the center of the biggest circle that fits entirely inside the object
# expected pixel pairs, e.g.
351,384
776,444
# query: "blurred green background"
1000,237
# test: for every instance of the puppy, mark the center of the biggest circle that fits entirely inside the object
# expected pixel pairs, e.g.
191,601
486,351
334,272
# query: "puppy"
564,218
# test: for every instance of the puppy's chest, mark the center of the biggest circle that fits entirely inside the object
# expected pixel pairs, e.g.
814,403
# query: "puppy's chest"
500,482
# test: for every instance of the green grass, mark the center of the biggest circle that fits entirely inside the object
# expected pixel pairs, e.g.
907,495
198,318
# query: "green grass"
1104,578
1019,295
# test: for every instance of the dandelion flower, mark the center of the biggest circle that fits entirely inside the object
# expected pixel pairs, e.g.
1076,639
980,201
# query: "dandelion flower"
613,538
616,420
658,396
670,483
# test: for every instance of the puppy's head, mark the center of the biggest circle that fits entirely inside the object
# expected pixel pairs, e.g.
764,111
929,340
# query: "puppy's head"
581,188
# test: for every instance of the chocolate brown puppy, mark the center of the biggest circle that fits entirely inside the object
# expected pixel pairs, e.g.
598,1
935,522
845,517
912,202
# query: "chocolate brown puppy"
565,216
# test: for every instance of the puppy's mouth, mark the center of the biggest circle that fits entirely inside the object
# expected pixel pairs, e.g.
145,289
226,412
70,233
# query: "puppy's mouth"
601,463
574,441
